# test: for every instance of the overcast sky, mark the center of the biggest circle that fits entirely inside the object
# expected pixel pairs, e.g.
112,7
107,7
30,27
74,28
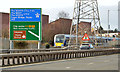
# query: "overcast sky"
52,7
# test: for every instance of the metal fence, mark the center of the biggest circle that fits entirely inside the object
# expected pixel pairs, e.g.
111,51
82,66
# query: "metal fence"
27,58
4,43
4,51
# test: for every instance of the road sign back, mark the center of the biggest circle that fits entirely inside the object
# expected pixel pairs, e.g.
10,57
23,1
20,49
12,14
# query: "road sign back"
85,37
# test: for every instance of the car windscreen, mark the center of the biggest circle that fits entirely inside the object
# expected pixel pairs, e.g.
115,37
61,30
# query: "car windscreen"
85,44
60,39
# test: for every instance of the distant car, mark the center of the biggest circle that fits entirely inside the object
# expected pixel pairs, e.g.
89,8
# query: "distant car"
86,46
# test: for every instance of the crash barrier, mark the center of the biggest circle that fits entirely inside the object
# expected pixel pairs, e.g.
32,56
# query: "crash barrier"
3,51
27,58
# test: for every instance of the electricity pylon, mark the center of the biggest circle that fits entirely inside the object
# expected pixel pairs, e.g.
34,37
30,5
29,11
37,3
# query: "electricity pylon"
84,11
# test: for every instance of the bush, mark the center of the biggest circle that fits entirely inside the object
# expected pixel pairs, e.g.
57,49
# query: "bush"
20,45
47,45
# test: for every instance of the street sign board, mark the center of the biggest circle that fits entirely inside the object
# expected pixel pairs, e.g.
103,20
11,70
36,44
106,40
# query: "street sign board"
19,35
25,14
25,24
25,31
85,37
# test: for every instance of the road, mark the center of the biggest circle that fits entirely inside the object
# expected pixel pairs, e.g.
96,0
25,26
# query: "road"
106,62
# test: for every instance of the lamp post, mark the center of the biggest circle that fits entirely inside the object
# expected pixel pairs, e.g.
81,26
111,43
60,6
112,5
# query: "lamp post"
108,25
109,20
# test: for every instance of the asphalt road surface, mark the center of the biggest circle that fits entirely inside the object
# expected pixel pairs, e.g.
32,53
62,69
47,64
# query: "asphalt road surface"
106,62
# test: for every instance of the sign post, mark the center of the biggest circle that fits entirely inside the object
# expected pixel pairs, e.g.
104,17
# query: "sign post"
11,44
39,44
26,24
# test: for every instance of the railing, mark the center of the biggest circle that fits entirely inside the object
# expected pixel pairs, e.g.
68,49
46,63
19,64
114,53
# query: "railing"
27,58
3,51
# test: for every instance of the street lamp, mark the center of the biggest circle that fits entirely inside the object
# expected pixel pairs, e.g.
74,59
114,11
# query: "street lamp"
109,20
108,25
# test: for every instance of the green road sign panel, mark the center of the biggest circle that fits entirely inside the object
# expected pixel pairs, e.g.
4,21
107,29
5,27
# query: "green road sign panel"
25,31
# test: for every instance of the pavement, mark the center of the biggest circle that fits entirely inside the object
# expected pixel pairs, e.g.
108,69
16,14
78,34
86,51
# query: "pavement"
106,62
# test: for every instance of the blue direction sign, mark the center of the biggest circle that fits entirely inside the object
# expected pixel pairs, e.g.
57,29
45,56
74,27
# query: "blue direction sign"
28,14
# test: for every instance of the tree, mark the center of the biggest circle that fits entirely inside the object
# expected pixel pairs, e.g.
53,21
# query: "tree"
5,33
63,14
116,30
100,29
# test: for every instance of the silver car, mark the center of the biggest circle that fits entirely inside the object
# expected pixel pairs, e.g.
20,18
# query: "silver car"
86,46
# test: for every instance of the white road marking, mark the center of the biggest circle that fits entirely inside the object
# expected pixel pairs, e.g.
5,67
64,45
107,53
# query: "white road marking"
68,67
90,63
106,61
91,57
62,60
73,59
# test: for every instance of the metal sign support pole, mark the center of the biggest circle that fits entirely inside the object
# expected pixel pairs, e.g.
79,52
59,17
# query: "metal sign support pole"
11,44
39,42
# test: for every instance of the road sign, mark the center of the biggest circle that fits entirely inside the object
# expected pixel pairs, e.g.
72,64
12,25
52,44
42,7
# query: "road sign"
25,14
25,24
19,35
25,31
85,37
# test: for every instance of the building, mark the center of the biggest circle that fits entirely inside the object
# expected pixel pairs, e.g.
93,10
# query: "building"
60,26
84,27
4,25
45,20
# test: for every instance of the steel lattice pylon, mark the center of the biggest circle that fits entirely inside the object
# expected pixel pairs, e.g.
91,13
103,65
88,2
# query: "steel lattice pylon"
87,11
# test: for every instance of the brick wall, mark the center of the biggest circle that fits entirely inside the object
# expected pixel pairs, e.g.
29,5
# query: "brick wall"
45,19
5,25
84,26
60,26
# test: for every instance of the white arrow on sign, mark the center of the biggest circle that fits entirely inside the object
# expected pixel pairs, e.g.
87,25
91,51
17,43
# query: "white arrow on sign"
34,34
